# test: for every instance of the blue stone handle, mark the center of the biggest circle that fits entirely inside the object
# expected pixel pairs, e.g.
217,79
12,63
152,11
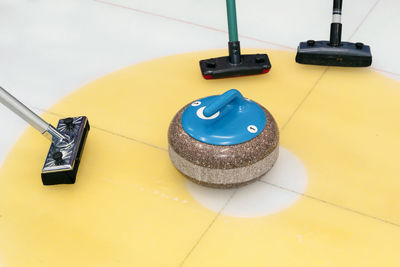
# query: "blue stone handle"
222,101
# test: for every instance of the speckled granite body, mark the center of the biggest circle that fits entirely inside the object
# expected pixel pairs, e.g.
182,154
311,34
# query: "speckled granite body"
223,166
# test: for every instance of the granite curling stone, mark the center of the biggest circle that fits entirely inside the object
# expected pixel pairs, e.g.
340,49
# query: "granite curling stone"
223,141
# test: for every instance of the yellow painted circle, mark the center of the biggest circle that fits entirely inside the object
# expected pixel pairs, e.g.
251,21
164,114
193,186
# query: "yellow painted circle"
130,207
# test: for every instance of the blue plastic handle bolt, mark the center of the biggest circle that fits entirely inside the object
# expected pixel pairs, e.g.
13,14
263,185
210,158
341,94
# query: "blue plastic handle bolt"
222,101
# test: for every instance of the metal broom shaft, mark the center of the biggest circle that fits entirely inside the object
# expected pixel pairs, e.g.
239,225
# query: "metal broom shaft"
336,25
29,116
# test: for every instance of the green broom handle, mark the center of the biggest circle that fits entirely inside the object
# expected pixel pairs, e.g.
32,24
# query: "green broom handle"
232,21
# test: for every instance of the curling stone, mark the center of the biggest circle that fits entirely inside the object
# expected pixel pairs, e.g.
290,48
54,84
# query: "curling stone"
223,141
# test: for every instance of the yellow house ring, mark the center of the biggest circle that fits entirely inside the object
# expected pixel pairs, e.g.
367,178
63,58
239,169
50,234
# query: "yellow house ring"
131,207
